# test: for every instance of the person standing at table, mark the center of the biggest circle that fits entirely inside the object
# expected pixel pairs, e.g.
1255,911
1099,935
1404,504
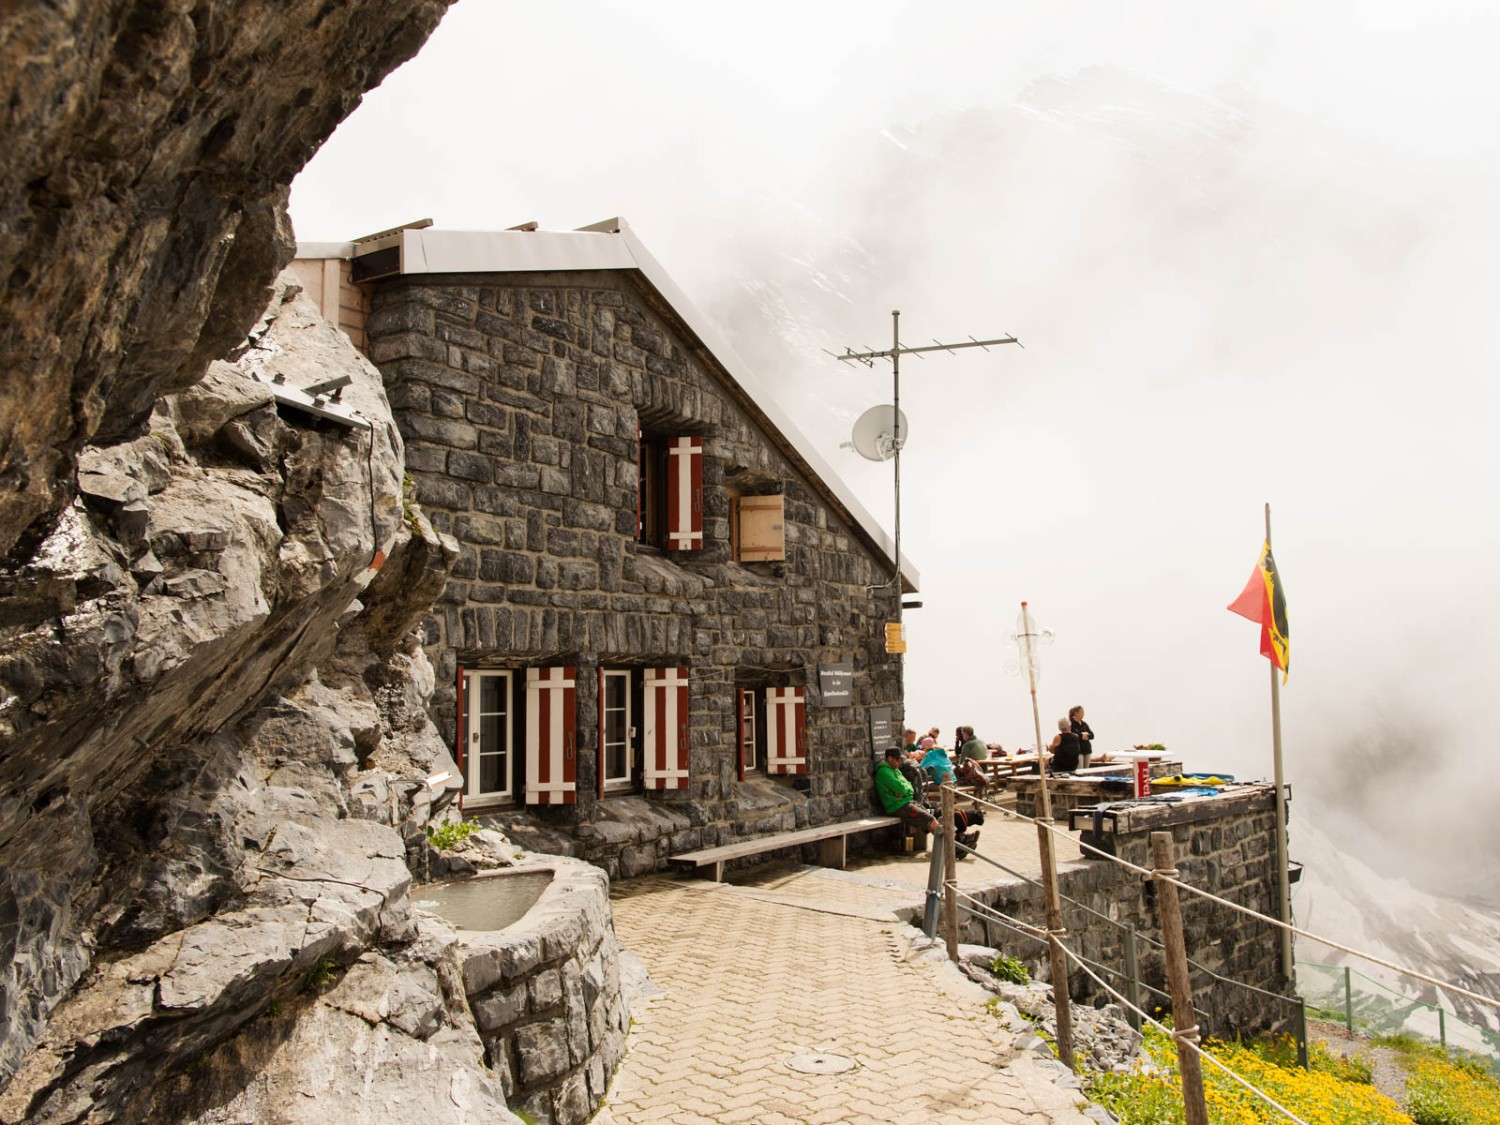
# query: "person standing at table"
1084,733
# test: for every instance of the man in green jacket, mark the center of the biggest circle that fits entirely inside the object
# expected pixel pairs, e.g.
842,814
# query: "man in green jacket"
897,797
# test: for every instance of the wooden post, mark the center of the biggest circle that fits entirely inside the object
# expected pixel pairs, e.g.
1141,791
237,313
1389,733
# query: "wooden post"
950,873
1178,980
1059,961
1132,981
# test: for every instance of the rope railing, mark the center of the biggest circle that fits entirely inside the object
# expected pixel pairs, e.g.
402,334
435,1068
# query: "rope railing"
1180,1037
982,909
1426,978
1105,918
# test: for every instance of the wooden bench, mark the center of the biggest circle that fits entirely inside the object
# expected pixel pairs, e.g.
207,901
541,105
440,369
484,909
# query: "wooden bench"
832,838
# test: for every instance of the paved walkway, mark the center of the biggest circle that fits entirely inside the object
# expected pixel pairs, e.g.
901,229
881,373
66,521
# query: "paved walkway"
790,967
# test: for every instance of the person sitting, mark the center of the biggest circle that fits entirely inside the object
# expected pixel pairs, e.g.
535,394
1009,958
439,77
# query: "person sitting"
971,747
1066,748
909,742
935,762
898,798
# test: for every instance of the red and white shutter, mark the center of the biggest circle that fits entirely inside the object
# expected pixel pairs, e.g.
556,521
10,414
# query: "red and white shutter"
551,746
786,730
666,742
685,494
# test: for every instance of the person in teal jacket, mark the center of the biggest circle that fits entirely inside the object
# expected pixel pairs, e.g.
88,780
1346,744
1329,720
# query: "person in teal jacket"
896,795
935,758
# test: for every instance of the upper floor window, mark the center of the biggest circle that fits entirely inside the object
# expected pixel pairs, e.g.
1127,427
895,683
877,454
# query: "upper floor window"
669,498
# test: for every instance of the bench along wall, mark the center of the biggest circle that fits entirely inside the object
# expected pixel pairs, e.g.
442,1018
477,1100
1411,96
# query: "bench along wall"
628,647
1226,845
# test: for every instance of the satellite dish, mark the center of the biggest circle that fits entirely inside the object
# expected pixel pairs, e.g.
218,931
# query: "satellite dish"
876,437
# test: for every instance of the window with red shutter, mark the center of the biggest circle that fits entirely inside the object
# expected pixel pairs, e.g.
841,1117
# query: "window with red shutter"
665,735
786,730
551,744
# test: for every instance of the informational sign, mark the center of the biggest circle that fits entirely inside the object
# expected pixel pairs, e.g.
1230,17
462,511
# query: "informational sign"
895,637
837,684
881,735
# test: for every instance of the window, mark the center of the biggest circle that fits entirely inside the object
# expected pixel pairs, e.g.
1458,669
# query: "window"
616,735
488,722
669,498
748,728
758,528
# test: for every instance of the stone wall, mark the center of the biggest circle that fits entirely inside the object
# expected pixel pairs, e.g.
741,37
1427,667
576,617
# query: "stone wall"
1226,847
519,397
546,997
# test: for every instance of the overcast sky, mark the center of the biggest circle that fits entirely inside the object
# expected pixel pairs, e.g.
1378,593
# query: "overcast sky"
1250,251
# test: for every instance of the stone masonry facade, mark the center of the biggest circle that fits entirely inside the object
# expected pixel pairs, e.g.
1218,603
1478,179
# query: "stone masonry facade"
1228,846
521,399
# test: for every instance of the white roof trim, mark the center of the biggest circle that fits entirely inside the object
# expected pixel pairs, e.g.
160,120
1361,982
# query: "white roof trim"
612,245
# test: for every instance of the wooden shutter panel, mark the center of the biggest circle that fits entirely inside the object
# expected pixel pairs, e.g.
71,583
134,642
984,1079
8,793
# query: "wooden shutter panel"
551,750
739,730
665,723
599,757
685,494
786,730
461,735
762,528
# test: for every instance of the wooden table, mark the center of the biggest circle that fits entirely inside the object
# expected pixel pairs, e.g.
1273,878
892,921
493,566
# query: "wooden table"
1007,766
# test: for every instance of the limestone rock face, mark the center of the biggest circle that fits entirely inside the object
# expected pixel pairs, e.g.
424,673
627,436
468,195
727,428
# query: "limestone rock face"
213,756
148,149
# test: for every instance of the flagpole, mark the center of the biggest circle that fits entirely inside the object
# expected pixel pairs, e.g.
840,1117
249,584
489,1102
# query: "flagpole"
1283,876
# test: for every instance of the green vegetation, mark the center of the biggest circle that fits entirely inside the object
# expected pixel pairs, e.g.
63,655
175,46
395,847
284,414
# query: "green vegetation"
1331,1092
1008,968
322,974
1445,1087
444,836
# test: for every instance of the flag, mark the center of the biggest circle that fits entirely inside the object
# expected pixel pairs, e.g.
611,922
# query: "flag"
1264,601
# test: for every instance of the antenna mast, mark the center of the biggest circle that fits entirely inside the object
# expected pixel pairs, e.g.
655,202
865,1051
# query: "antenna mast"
894,354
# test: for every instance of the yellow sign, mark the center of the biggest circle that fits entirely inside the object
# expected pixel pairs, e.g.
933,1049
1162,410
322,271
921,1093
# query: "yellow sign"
895,637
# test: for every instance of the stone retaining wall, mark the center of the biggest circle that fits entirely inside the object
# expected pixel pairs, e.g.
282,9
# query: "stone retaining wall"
1227,848
546,997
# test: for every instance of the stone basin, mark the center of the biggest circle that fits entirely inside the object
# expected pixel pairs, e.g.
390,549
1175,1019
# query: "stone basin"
485,901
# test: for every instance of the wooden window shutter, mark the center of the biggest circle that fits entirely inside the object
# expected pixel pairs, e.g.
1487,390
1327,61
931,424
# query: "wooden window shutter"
551,749
739,730
685,494
786,730
762,528
461,736
599,756
666,728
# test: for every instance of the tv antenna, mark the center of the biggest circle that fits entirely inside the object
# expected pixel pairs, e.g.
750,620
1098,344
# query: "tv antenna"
880,428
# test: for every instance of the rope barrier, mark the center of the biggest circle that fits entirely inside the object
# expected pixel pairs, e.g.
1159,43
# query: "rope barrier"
1188,1037
1050,826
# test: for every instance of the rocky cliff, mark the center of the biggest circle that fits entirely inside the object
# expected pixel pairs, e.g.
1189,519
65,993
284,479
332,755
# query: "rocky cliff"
214,747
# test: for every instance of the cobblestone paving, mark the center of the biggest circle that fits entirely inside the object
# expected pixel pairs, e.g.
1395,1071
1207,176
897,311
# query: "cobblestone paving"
801,961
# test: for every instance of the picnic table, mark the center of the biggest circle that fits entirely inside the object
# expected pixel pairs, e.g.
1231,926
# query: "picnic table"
1006,765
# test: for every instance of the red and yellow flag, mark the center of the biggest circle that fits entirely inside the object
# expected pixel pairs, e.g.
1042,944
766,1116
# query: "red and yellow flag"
1264,601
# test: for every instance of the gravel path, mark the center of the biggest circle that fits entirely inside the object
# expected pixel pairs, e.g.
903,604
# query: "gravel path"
1388,1075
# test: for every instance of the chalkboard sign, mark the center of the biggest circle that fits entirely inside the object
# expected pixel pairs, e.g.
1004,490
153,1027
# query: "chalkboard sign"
881,736
837,684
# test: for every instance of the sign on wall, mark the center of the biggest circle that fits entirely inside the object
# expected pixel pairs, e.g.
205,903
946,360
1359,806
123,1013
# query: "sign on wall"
881,735
836,681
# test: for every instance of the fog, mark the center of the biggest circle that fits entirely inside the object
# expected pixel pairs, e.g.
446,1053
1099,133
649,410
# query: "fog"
1250,256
